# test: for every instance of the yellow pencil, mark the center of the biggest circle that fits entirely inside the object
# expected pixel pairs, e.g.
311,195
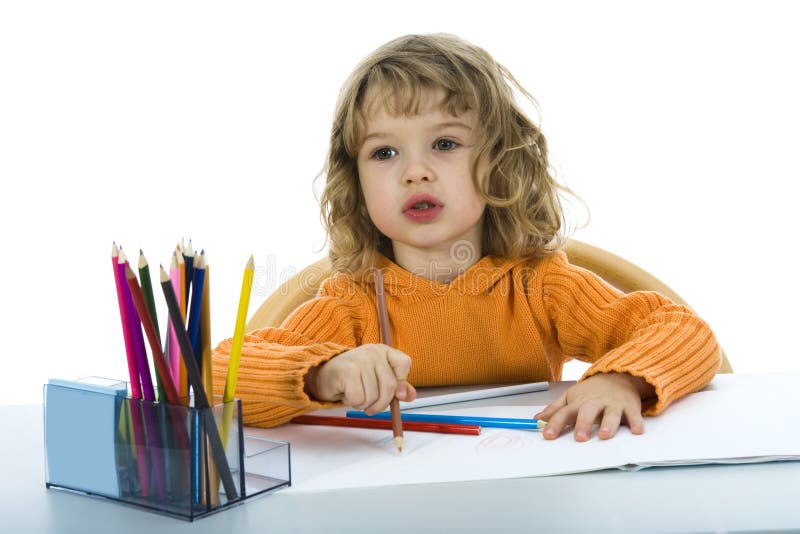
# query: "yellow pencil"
181,294
205,327
238,332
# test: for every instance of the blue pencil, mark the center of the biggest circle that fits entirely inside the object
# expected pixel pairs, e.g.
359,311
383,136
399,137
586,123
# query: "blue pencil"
495,422
193,329
198,280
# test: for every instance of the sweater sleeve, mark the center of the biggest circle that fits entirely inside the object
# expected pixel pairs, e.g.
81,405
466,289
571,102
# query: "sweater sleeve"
274,361
642,333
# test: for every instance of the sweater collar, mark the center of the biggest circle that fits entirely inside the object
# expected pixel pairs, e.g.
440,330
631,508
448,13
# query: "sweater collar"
477,279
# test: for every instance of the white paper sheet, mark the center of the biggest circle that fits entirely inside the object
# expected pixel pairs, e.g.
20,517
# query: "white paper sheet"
738,418
437,397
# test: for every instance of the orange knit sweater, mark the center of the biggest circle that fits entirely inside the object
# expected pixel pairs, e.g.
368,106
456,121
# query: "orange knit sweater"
499,322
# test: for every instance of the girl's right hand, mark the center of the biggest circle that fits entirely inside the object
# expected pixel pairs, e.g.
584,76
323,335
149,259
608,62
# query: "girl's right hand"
367,378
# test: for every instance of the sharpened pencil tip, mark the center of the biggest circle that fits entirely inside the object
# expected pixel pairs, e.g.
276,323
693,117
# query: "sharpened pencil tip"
250,263
398,440
163,274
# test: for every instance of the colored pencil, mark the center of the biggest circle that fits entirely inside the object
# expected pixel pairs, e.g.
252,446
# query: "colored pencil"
147,293
195,272
170,391
236,347
201,399
198,279
166,388
494,422
133,371
386,339
139,440
188,260
472,430
206,368
147,290
136,333
174,351
180,289
205,329
158,433
238,331
194,279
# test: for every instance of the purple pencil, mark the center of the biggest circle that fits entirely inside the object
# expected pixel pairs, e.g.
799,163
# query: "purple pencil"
136,333
133,370
139,438
150,418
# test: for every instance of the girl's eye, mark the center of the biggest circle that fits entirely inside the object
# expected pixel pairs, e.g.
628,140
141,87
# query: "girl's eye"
384,153
445,144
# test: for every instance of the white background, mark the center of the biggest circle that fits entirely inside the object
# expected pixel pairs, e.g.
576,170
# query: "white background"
145,122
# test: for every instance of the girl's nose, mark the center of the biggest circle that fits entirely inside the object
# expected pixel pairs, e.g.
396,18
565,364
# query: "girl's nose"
418,171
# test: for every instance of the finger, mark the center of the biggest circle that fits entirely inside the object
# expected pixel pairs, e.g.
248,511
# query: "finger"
560,420
635,421
400,362
369,382
386,384
588,413
353,390
610,423
551,408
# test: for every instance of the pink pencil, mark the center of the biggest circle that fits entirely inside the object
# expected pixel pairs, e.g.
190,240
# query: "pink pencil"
136,333
174,349
133,370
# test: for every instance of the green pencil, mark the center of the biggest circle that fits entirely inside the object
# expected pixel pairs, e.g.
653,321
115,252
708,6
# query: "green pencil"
147,292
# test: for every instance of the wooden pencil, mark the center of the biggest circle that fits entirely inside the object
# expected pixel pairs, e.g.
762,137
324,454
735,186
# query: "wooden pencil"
133,370
205,329
147,290
136,333
170,391
205,366
201,399
472,430
180,290
238,331
236,347
386,339
195,303
147,293
197,274
188,259
139,439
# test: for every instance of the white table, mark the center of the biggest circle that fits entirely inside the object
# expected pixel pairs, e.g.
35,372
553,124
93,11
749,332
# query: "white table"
731,498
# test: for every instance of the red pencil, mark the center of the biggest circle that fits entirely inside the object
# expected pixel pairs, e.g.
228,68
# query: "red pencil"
150,329
472,430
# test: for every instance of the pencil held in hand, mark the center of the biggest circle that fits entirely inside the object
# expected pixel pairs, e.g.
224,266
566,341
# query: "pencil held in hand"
386,339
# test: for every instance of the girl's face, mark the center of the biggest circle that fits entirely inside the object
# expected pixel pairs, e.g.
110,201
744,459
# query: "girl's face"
416,176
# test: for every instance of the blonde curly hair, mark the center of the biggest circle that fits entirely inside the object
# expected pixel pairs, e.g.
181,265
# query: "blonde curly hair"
524,215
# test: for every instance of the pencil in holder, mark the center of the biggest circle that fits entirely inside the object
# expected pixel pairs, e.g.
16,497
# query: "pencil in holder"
174,459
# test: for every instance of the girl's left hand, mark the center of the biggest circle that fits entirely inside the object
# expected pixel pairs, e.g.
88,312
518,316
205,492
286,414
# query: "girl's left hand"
607,398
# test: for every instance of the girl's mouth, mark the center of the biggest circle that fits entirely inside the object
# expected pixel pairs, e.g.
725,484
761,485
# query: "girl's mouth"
422,208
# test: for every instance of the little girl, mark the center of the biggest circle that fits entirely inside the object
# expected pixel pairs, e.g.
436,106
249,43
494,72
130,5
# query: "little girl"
437,178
